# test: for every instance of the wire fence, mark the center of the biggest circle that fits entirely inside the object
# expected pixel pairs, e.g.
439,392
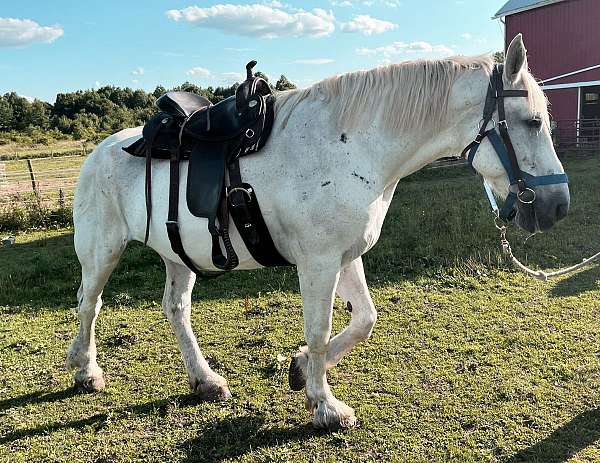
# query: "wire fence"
48,182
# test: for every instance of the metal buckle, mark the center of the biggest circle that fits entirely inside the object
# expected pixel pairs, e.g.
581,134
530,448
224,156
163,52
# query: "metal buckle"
249,133
504,123
521,193
248,192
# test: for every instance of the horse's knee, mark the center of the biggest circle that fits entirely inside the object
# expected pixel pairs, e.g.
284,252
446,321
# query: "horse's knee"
365,321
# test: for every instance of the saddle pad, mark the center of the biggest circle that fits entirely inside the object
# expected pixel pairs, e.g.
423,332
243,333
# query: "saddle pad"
205,182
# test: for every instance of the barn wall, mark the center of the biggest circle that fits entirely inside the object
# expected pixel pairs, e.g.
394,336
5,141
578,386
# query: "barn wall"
560,37
563,104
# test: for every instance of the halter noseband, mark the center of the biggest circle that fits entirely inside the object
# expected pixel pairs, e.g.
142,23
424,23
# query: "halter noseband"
522,184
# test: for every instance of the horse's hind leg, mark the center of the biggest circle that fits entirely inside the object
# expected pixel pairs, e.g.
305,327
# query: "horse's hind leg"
98,252
177,305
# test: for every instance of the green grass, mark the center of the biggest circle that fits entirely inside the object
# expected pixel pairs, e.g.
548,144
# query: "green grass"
469,361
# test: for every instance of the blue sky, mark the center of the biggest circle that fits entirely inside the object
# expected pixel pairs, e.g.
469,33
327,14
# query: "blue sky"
47,47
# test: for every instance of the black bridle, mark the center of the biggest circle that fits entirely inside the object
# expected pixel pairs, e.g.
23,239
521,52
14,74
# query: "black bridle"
522,184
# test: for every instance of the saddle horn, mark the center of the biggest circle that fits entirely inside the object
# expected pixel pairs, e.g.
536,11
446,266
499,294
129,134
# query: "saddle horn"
249,66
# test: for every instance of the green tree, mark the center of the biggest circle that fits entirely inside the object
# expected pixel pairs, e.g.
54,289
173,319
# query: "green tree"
499,57
284,84
6,114
40,115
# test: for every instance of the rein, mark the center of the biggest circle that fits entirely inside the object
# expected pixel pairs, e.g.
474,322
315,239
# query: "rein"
522,184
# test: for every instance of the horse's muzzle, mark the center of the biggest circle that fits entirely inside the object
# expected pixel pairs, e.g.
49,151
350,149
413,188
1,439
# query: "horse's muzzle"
551,205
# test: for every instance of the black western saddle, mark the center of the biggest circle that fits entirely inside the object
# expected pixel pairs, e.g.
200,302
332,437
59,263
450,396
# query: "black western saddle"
212,139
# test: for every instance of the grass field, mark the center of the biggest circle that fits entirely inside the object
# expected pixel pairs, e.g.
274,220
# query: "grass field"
14,151
469,361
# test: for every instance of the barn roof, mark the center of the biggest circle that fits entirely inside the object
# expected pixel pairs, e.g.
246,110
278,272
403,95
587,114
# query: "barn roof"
517,6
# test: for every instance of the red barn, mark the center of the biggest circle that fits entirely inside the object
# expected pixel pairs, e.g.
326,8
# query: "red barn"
563,43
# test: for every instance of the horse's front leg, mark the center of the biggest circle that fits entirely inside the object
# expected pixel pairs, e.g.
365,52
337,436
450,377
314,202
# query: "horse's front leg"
177,304
318,280
353,290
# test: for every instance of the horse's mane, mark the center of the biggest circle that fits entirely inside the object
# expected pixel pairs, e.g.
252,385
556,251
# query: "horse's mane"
411,95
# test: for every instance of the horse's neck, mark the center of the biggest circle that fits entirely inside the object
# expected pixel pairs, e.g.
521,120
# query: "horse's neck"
404,153
398,156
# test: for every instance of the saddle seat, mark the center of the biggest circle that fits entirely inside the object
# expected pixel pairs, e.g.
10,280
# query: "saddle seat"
182,104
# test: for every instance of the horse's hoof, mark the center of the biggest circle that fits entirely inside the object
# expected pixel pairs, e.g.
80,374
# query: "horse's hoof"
211,392
296,377
90,384
333,415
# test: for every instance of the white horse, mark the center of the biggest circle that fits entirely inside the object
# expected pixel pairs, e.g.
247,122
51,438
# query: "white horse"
324,181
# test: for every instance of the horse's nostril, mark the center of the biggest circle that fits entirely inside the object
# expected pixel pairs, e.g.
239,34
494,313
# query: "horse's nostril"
561,211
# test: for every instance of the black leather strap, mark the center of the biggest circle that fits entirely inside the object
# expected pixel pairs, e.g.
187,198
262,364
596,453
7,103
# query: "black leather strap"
172,219
148,192
503,125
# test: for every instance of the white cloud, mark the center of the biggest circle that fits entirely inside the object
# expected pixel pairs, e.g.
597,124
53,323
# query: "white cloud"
21,32
316,61
139,71
199,72
368,3
399,48
367,25
466,36
258,20
232,77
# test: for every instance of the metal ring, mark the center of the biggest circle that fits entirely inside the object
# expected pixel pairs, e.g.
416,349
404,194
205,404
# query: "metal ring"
249,133
482,121
520,193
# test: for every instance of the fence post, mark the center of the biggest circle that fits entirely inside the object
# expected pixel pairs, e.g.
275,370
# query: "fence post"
33,181
61,198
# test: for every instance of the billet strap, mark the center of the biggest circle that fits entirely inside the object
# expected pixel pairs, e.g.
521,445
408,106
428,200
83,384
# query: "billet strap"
148,192
151,137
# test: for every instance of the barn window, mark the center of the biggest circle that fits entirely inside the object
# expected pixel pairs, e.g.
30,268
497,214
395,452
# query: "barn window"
592,98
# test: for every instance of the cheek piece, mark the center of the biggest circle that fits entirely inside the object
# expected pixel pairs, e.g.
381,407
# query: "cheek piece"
522,184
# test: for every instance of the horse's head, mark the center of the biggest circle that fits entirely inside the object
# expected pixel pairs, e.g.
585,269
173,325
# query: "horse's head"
514,152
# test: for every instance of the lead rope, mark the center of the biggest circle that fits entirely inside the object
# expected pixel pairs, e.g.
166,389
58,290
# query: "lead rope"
539,274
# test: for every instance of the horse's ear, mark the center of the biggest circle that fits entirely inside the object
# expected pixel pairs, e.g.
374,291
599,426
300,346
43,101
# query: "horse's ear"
516,59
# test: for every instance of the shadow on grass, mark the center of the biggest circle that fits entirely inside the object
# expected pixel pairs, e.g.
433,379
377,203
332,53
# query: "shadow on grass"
37,398
219,440
565,442
584,281
157,407
233,437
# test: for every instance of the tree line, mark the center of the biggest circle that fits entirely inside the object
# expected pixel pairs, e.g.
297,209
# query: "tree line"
92,114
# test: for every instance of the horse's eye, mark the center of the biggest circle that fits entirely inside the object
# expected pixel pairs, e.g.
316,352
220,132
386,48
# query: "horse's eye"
535,122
